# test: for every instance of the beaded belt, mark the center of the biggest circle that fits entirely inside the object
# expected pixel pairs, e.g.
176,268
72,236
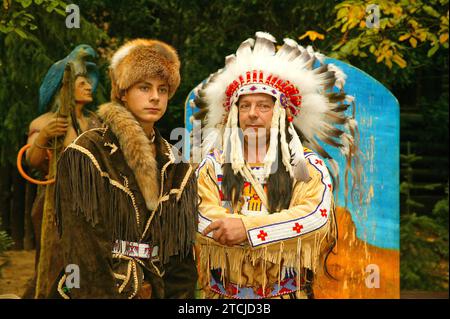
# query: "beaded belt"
132,249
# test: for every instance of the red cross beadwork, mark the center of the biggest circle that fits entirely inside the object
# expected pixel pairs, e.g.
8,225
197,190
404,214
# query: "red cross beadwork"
324,212
297,228
318,161
257,76
262,235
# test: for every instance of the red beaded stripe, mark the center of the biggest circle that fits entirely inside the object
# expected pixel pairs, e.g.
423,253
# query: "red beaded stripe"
255,76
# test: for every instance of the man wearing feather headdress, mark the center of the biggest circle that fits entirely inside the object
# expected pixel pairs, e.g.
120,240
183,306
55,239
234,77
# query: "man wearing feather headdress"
266,214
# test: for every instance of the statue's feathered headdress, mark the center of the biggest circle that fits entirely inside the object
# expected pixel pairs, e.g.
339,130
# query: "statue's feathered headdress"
306,104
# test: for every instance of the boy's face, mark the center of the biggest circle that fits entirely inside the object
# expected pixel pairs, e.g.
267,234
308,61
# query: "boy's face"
147,100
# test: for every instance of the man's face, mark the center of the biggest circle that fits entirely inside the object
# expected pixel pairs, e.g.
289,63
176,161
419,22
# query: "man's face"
255,114
83,90
147,100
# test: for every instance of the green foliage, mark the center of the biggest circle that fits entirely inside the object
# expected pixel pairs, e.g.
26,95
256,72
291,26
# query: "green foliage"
5,240
440,211
408,34
436,124
423,238
408,185
424,250
401,25
24,62
17,18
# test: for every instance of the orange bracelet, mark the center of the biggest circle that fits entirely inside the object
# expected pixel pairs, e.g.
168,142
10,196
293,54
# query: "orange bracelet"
25,175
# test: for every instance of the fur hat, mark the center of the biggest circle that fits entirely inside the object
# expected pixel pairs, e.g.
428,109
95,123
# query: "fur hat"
141,59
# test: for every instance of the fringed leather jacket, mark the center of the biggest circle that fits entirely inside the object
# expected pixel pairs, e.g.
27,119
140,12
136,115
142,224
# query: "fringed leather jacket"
126,211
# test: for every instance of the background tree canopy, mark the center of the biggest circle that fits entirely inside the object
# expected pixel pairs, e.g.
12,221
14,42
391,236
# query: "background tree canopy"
408,53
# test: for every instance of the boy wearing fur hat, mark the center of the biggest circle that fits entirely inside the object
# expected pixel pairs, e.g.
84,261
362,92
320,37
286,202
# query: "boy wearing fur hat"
126,205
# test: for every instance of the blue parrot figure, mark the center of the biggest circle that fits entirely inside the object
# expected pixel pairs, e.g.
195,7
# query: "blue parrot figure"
53,79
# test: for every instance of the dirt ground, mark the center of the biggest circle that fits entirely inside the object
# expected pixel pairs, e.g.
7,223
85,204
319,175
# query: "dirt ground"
16,269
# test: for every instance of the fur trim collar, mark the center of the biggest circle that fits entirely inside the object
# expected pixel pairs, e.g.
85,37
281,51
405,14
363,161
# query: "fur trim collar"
137,150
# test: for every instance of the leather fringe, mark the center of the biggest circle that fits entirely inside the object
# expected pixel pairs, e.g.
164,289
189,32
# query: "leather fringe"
304,252
94,197
174,225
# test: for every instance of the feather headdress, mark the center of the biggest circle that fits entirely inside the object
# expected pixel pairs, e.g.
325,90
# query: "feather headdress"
307,105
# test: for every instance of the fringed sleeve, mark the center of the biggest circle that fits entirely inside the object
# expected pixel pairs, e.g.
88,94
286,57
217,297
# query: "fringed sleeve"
173,227
86,240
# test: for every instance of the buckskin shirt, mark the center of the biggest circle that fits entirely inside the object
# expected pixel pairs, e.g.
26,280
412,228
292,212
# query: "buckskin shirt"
280,246
104,189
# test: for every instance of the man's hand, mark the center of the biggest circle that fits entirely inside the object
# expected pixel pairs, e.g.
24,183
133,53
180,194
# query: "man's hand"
57,126
48,125
227,231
